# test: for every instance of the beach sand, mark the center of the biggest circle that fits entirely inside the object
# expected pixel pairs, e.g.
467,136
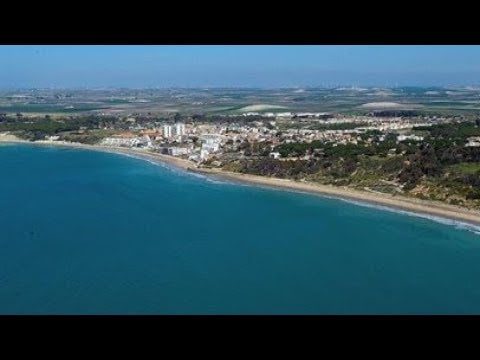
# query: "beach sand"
433,208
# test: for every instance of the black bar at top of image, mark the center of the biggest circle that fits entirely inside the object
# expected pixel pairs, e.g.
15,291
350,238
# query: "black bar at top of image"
243,23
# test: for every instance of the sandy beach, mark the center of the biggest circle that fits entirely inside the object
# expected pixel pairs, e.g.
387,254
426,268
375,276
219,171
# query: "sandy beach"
397,202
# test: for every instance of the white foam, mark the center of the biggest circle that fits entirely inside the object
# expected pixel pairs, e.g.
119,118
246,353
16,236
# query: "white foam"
217,181
209,178
445,221
162,164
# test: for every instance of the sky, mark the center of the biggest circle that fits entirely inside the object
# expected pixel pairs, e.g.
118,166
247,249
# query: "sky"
259,66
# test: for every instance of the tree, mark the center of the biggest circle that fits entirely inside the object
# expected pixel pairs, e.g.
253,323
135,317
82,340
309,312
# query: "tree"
473,195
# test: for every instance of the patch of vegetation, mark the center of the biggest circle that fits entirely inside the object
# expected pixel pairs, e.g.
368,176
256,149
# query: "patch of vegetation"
322,126
37,128
456,131
465,168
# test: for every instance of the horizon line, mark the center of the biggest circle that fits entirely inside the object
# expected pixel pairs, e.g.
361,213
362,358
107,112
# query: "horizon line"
296,87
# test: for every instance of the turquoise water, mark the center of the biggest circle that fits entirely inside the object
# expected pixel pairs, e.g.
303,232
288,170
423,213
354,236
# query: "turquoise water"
85,232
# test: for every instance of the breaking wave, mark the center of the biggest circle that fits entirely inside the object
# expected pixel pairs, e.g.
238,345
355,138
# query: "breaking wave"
445,221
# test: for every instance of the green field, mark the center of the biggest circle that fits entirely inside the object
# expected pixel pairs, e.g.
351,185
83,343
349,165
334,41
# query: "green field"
232,101
465,168
47,108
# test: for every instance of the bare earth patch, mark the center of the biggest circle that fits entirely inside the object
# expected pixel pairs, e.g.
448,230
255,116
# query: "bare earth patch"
387,105
260,107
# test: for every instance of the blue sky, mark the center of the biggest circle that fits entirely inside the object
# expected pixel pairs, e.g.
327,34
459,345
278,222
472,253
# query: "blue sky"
237,66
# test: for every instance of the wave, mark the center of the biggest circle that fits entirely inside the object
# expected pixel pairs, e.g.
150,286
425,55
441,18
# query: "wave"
210,179
445,221
442,220
162,164
174,169
218,182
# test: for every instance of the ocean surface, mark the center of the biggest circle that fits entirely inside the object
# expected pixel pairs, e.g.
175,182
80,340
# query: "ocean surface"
85,232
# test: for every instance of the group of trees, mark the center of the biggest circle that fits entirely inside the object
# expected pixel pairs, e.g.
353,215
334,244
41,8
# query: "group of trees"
338,126
238,119
454,131
298,148
409,163
255,148
283,169
395,113
349,150
36,128
423,162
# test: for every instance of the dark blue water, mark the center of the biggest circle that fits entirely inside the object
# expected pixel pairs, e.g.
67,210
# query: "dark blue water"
85,232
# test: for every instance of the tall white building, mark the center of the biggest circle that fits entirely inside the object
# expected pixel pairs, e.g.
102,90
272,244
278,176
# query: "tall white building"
167,131
211,142
179,129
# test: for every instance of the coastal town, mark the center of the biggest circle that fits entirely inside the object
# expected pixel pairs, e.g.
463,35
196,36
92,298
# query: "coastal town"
380,152
230,138
419,143
217,143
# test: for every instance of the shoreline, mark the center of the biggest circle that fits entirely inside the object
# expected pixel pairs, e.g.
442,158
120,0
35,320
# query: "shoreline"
417,206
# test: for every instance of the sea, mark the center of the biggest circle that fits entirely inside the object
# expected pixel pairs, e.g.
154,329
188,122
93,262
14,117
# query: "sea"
89,232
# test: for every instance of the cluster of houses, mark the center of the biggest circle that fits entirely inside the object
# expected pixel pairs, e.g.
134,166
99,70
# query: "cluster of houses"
200,142
174,140
473,141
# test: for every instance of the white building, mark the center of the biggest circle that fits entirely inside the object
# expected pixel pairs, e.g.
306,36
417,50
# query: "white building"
204,154
409,137
167,131
195,158
179,129
473,141
177,151
285,114
211,142
143,141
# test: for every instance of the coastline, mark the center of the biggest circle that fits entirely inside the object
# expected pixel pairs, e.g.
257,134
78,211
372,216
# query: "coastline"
417,206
